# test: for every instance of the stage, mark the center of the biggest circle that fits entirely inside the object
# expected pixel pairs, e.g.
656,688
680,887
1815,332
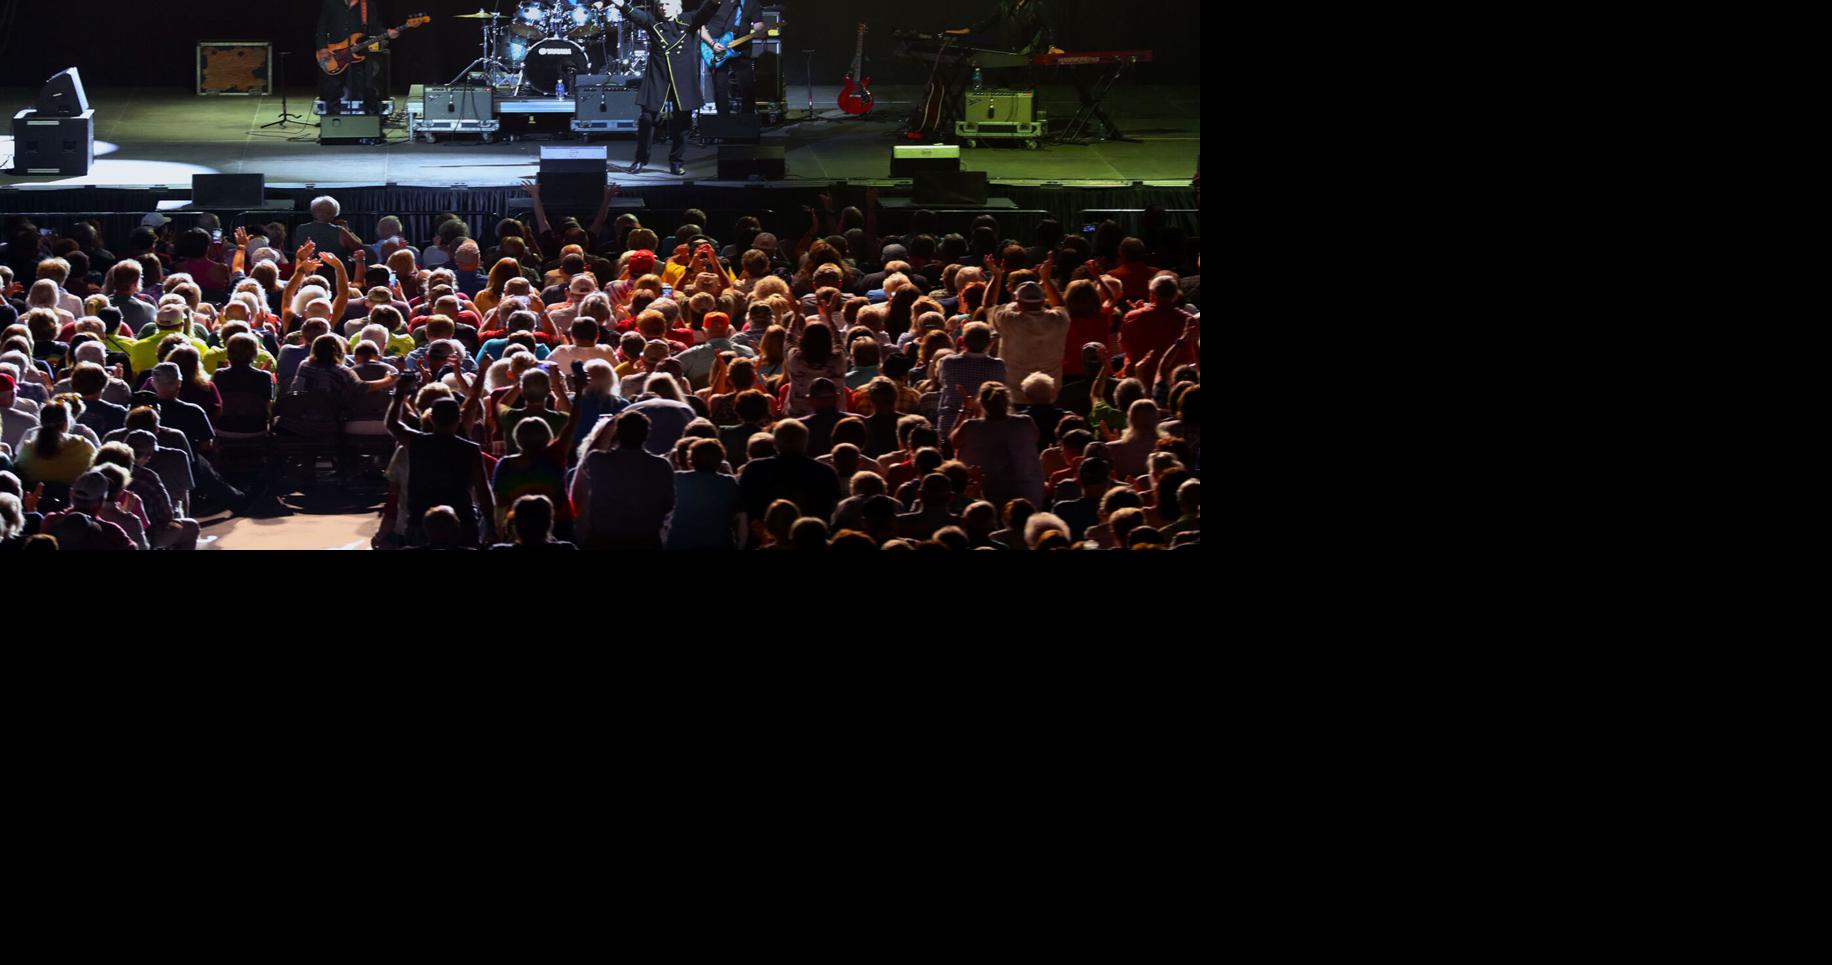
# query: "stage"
151,137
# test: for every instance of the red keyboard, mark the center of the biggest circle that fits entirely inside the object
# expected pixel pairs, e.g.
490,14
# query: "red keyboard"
1083,58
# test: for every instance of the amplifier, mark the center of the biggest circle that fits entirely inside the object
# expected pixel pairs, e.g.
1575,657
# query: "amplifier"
234,67
603,102
457,104
1000,106
909,160
350,129
43,144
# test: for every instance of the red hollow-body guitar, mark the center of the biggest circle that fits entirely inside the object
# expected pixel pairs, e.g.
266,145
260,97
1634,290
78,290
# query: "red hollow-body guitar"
855,94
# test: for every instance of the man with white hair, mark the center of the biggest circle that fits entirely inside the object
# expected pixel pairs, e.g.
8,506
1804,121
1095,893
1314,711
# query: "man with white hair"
468,260
58,270
324,231
388,239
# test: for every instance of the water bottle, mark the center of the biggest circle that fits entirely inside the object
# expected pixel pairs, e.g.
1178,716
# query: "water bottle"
979,79
559,89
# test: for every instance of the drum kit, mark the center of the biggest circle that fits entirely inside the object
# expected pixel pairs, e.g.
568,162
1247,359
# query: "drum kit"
542,46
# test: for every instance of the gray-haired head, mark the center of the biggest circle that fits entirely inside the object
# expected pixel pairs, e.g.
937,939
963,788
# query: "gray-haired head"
167,373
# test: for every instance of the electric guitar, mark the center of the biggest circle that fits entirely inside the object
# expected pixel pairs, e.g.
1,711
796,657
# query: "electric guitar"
344,54
855,95
715,61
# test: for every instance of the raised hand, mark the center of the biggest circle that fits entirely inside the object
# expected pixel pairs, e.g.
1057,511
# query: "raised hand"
534,189
304,253
241,237
613,190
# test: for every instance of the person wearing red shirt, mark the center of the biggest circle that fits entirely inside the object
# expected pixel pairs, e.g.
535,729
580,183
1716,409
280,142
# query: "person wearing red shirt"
1133,273
1156,327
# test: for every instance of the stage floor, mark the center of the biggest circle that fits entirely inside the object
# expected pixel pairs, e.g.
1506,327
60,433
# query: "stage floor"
161,136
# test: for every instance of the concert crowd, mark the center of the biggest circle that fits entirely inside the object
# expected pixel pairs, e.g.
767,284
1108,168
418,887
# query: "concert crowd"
596,383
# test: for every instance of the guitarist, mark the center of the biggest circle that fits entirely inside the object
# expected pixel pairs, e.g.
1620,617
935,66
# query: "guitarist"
741,69
337,20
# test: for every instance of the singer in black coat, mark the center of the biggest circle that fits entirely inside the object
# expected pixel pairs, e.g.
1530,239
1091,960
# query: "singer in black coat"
673,75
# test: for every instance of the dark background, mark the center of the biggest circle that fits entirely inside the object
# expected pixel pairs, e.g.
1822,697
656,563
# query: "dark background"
117,44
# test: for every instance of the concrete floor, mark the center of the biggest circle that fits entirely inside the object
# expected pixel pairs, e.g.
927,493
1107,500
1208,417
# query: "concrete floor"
161,136
297,532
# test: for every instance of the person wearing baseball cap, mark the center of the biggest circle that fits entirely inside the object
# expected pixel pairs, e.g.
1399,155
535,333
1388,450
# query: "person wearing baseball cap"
1031,334
155,221
701,362
90,531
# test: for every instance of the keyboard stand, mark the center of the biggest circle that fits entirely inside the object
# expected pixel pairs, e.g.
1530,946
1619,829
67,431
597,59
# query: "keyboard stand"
1091,109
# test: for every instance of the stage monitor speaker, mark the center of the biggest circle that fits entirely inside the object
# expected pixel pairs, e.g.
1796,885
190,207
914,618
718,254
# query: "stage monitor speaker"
909,160
350,128
961,188
573,178
457,104
732,128
604,102
235,67
53,145
228,192
746,161
63,96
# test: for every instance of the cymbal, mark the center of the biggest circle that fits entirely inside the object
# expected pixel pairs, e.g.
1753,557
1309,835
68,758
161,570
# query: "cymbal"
480,15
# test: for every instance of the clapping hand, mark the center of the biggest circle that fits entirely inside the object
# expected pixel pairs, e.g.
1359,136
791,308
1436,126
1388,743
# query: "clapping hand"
304,254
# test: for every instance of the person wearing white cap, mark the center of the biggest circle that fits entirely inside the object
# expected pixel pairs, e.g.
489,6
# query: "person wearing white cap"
1031,336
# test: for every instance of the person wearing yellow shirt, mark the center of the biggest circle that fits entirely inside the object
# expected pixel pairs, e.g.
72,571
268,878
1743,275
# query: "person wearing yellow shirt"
703,259
143,354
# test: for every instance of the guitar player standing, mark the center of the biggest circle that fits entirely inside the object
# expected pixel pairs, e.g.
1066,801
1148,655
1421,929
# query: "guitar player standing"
740,70
337,20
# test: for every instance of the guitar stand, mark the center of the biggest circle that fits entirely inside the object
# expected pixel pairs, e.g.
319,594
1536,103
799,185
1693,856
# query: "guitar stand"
1091,109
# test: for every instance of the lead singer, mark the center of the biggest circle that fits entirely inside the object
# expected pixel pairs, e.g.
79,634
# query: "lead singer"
672,82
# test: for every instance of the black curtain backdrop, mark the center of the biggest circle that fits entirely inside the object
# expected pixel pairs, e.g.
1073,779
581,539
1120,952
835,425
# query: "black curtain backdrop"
118,44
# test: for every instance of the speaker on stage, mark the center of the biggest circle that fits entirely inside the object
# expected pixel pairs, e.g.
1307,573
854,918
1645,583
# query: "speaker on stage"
732,128
228,192
964,188
746,161
573,178
58,135
63,96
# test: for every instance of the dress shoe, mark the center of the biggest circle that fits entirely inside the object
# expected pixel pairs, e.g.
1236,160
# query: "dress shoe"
679,169
636,168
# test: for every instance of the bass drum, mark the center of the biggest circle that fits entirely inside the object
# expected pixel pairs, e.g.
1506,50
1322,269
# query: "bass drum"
553,60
